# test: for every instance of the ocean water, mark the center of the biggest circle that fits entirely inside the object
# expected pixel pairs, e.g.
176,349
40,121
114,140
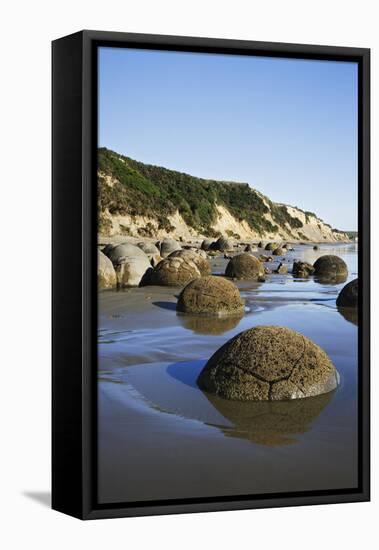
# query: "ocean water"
161,437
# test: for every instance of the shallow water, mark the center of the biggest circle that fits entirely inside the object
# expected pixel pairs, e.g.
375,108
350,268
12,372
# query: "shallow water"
160,437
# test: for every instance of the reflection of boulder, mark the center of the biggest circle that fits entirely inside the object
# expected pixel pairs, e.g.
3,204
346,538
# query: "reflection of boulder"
350,314
335,279
268,363
204,324
270,423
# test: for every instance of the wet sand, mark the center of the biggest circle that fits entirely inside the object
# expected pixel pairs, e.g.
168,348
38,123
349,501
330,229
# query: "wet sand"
160,437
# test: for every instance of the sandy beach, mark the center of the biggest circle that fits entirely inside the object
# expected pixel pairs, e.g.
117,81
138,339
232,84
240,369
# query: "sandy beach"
161,437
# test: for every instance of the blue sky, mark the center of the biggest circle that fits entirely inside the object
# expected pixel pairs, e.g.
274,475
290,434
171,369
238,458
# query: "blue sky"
287,127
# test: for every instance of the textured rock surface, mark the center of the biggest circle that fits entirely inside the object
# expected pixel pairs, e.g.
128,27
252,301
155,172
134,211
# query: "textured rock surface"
302,269
196,257
131,264
151,252
348,297
269,363
168,246
244,266
282,268
174,272
330,267
212,296
106,275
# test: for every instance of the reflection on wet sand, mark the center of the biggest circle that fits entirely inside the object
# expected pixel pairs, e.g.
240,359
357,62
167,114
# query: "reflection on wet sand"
330,279
349,313
270,423
202,324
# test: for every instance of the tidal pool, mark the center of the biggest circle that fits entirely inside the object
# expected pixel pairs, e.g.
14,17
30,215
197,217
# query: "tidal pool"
161,437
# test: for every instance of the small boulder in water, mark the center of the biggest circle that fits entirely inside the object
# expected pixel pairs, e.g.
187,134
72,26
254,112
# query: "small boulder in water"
211,296
302,269
244,266
279,251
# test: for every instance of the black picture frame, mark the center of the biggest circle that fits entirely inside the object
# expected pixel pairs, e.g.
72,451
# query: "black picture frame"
74,315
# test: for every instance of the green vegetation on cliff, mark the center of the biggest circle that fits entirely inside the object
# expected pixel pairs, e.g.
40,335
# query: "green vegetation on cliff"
142,189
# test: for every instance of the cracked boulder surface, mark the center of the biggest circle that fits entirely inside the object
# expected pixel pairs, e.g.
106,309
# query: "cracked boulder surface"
244,266
196,257
211,296
174,272
269,363
302,269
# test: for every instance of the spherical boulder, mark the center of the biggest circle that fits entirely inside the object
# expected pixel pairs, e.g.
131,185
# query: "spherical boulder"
348,297
223,244
330,268
131,264
244,266
118,254
206,244
269,363
271,246
151,252
302,269
174,272
279,251
168,246
196,257
106,275
211,296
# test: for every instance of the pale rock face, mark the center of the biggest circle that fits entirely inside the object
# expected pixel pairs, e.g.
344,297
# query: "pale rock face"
106,275
131,264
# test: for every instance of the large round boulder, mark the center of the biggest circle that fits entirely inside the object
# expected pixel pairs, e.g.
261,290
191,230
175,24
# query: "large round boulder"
131,264
269,363
244,266
271,246
174,272
330,269
151,252
207,244
196,257
211,296
223,244
348,297
106,275
168,246
279,251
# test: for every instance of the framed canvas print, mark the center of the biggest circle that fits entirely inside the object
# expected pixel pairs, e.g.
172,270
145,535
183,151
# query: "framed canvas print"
210,274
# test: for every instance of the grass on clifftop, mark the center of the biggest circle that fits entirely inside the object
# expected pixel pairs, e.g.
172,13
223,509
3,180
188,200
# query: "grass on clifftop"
142,189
